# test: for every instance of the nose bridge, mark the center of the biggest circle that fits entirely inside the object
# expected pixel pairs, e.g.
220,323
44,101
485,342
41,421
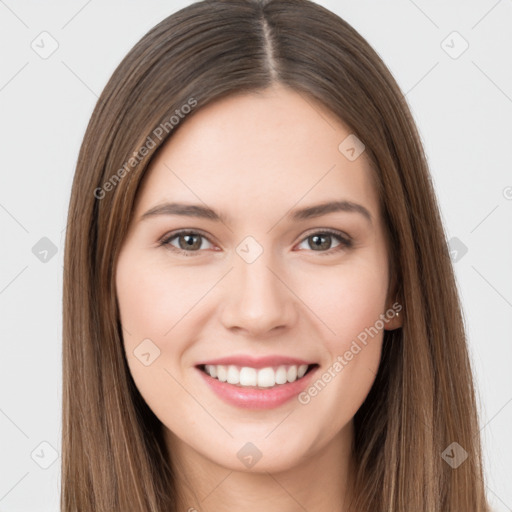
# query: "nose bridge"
258,300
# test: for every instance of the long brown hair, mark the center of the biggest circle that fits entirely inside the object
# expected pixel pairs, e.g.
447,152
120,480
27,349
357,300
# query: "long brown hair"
113,454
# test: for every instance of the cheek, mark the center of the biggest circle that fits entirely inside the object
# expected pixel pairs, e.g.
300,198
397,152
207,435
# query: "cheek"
159,308
346,300
153,299
150,305
350,303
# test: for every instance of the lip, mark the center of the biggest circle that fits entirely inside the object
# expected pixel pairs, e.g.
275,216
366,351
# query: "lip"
256,362
256,398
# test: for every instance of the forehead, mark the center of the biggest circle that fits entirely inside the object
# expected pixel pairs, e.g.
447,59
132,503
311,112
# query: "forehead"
257,152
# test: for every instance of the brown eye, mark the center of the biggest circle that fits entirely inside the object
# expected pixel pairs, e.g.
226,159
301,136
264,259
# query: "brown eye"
322,241
188,242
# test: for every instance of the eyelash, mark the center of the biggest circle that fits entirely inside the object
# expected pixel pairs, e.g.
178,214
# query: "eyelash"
345,241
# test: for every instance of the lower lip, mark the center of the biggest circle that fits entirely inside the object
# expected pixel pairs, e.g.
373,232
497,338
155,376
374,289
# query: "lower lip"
252,398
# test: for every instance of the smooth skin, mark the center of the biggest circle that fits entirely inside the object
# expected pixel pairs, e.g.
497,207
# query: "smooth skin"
255,158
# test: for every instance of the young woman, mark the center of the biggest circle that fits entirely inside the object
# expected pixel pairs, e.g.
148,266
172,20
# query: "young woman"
260,311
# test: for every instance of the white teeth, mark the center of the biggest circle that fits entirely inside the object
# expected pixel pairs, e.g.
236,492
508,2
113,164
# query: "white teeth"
263,378
212,370
222,373
248,377
266,378
281,375
303,368
233,375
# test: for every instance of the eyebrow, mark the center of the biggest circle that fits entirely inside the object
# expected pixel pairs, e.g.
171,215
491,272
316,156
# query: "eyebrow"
309,212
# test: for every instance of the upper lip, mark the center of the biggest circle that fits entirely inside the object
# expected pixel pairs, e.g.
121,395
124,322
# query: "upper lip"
256,362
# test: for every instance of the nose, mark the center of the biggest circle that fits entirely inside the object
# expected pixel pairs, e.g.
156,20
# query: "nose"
258,301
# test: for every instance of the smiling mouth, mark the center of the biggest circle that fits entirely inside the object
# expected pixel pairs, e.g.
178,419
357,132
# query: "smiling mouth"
257,378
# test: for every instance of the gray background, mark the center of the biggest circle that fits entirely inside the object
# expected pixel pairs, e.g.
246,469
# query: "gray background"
462,105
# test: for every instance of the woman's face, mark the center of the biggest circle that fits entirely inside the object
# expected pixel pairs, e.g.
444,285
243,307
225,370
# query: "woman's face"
267,275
